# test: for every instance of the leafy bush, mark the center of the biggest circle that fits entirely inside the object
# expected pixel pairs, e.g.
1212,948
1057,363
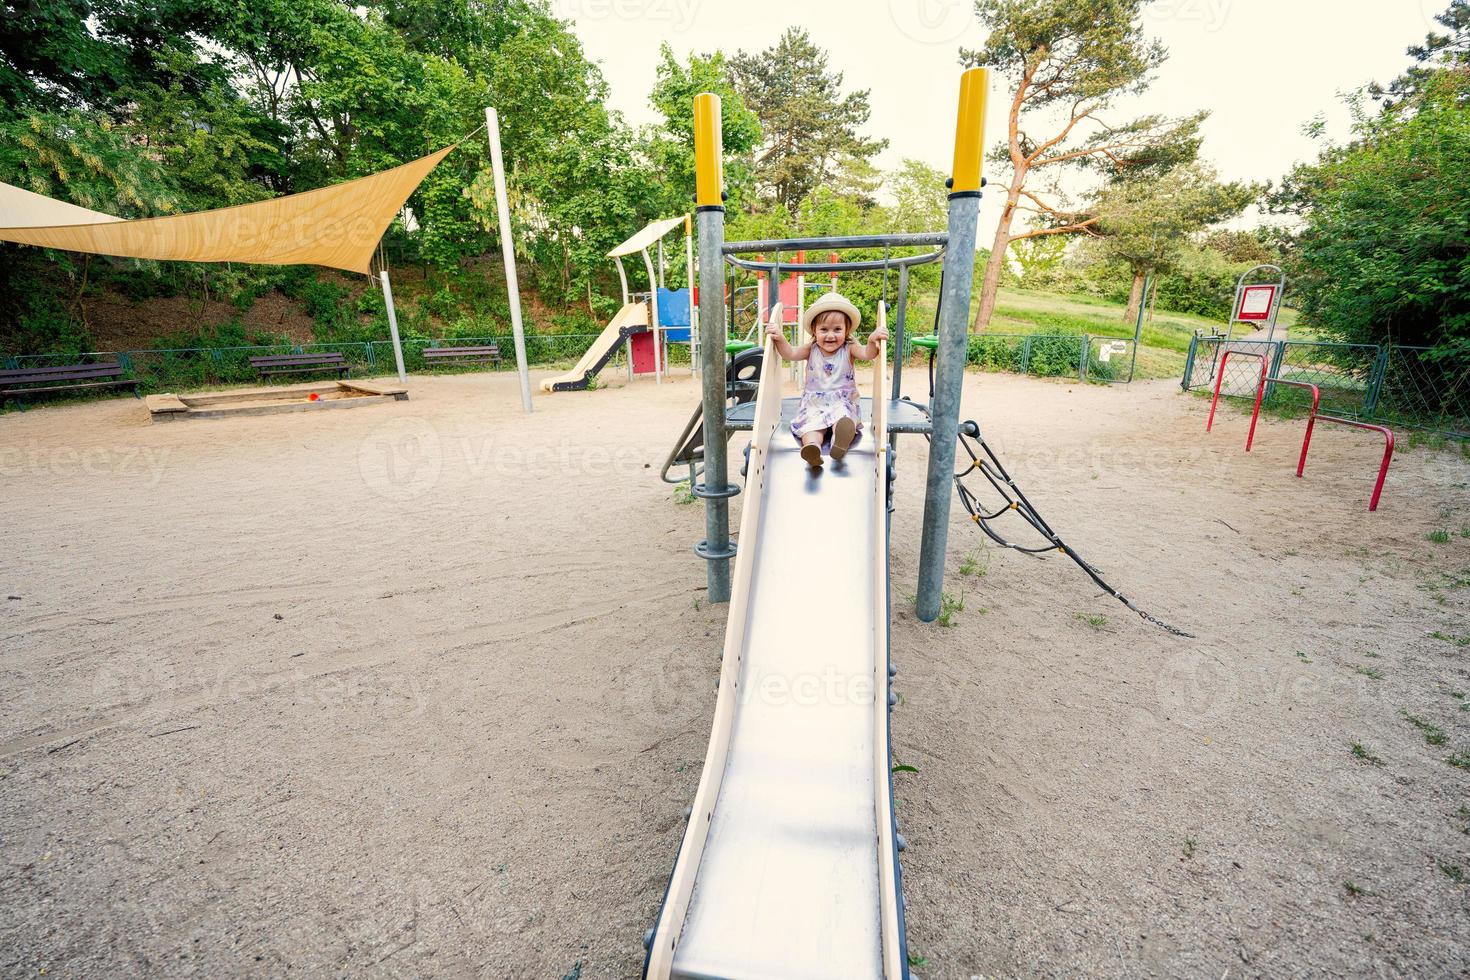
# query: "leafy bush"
995,353
1202,282
1053,357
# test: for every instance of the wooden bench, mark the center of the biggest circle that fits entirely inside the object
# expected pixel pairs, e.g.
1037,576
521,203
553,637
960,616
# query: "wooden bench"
23,383
298,363
489,352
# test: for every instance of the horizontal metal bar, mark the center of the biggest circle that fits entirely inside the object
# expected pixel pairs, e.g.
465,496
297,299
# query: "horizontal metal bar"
867,265
849,241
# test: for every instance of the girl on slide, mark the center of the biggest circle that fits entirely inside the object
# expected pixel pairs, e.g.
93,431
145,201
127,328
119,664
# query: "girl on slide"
829,403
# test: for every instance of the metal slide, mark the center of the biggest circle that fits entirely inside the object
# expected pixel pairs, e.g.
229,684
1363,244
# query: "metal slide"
788,866
632,318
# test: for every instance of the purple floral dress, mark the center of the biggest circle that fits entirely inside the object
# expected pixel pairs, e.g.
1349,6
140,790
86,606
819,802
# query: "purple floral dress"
830,394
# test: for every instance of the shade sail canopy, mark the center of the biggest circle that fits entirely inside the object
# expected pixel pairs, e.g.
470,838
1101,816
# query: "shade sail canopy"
650,234
338,227
20,208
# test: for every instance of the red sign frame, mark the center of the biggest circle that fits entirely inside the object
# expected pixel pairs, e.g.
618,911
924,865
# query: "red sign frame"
1250,293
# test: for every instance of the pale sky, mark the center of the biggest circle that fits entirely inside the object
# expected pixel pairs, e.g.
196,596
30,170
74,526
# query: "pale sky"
1263,67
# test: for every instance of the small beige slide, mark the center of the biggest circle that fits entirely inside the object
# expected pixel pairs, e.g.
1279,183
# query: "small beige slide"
631,315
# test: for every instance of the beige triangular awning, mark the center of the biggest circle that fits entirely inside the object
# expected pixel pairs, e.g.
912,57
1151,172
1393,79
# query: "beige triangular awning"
649,234
338,227
20,208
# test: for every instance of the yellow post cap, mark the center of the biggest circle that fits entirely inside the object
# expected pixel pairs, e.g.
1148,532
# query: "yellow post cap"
709,175
969,133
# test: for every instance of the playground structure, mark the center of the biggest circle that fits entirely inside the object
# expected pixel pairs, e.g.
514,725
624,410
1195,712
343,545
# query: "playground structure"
791,294
647,322
1313,417
272,401
789,862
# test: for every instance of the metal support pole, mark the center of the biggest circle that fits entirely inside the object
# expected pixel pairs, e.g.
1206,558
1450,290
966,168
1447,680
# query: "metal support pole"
897,344
393,325
658,377
954,322
693,306
773,292
508,252
795,332
623,280
1138,329
710,209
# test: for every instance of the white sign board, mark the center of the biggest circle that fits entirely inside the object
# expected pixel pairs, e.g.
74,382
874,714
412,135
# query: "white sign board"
1256,303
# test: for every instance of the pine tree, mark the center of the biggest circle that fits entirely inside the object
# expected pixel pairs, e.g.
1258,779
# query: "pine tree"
810,130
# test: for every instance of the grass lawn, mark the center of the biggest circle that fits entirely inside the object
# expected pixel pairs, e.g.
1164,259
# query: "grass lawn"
1165,339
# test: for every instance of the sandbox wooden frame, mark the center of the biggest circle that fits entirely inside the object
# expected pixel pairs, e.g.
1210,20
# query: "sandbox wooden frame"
272,401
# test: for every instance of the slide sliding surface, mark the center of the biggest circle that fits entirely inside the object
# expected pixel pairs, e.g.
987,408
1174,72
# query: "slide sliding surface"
602,349
787,868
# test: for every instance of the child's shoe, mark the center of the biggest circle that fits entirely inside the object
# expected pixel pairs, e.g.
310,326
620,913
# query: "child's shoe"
842,434
812,455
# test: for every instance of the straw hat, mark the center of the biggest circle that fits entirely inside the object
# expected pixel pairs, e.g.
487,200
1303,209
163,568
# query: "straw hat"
828,302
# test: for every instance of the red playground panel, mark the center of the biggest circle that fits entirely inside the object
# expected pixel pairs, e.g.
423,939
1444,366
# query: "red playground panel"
641,346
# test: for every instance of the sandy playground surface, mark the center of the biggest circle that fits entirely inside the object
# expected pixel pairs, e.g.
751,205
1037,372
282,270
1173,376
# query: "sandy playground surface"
423,689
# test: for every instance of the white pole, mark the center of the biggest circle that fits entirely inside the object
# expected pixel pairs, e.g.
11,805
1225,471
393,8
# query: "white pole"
658,377
508,250
393,326
623,278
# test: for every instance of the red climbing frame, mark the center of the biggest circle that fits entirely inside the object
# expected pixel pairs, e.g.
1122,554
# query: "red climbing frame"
1312,418
1260,391
1301,464
1387,452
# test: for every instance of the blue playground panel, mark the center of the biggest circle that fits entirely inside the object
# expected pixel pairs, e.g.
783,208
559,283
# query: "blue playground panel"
673,313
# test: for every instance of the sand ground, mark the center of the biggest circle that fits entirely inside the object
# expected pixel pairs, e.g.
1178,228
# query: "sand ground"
422,689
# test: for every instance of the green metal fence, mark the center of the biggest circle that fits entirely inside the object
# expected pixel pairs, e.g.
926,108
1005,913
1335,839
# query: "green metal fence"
182,368
1380,382
1082,356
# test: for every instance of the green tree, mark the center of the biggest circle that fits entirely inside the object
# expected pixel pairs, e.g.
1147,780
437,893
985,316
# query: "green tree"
210,143
920,201
1438,50
809,129
1147,222
1040,258
670,147
95,163
1384,251
1253,247
1067,63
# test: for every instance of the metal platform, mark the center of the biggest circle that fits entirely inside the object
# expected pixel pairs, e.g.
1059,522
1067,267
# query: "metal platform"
904,417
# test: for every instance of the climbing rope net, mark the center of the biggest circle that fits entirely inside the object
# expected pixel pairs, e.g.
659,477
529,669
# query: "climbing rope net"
1014,500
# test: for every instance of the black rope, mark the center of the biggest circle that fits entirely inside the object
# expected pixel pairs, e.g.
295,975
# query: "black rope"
995,473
